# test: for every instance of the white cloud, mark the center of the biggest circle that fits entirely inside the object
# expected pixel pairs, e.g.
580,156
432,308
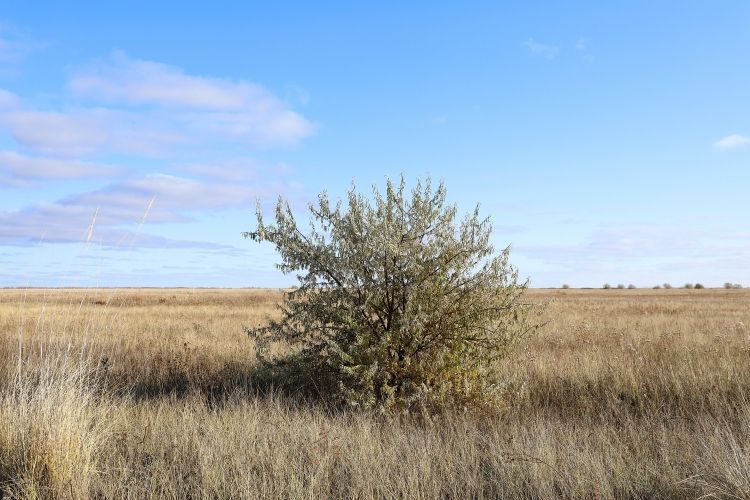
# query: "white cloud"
17,169
8,100
646,254
234,170
261,127
146,108
139,109
172,193
88,131
243,110
541,49
731,142
630,242
167,198
57,133
121,78
62,223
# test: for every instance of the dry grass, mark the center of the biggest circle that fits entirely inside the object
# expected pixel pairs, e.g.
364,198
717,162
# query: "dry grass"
151,393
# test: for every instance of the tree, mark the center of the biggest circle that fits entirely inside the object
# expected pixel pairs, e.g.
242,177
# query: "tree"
399,306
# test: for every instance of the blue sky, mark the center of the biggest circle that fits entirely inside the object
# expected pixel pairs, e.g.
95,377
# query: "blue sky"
609,143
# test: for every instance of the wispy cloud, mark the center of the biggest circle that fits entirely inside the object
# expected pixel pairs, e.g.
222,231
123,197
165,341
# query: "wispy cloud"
172,194
582,47
12,49
732,141
168,199
439,120
242,109
88,131
8,100
120,78
77,133
118,111
15,47
140,107
17,169
645,252
542,49
233,170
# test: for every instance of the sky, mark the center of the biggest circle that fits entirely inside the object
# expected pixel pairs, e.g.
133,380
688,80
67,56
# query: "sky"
609,142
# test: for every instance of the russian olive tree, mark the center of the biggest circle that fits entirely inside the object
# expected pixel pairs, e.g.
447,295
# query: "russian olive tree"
400,306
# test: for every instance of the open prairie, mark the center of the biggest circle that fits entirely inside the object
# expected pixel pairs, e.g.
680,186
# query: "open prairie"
142,393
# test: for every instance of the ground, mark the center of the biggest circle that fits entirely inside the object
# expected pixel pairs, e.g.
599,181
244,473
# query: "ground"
151,393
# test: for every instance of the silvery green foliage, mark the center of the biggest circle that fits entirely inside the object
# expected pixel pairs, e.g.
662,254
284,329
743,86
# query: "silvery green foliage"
400,304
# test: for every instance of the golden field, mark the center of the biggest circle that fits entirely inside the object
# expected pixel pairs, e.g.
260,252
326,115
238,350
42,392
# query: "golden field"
146,393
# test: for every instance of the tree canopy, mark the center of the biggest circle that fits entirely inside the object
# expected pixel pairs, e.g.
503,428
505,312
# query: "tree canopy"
400,305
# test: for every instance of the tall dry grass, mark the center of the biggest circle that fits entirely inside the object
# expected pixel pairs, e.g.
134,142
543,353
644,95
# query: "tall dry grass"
152,393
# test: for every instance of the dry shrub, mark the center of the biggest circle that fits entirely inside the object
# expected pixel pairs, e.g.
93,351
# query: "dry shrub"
401,306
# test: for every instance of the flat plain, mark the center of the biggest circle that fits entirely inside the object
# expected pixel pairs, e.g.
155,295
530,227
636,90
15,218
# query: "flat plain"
145,393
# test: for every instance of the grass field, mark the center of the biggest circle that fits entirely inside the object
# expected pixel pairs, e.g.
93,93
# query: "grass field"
144,393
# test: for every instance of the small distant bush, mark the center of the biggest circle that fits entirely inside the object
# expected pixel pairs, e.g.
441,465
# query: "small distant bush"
689,286
699,286
621,286
632,287
657,287
401,307
732,285
728,285
607,286
736,285
667,286
566,286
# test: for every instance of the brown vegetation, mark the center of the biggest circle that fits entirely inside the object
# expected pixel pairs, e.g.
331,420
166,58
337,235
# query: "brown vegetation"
146,393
